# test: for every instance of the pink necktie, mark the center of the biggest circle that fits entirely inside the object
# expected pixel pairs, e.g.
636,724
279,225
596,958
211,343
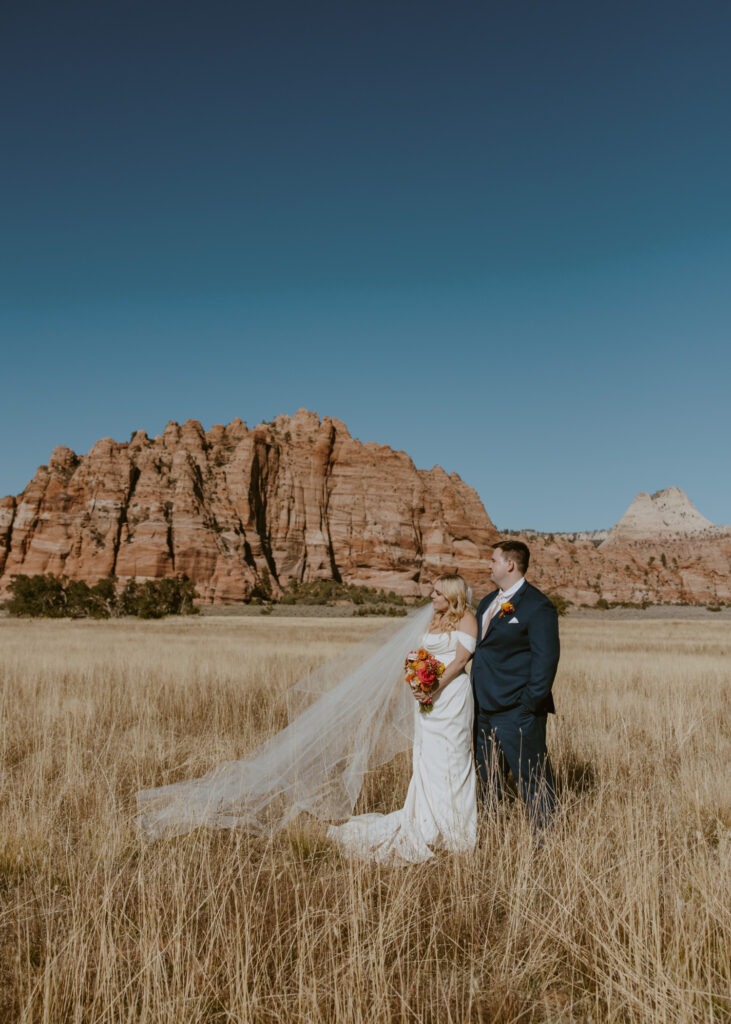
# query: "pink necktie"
494,609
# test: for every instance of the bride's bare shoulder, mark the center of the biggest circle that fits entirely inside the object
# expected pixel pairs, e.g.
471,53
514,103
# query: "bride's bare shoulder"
468,624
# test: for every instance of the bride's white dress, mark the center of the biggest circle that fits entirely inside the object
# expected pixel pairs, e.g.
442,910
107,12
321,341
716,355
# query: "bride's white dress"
441,803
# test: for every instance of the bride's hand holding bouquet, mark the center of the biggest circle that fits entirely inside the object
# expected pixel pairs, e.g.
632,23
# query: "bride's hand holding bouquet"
423,673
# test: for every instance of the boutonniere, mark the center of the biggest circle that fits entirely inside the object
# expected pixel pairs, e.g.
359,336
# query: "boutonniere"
506,608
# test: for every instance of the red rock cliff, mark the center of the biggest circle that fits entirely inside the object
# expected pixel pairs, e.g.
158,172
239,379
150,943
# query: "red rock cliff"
299,497
302,499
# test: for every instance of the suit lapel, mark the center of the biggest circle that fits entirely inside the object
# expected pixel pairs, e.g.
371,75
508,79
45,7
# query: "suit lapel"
518,595
514,600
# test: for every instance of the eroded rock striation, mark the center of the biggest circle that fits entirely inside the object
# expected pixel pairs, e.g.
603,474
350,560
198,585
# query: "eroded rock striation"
294,499
300,499
656,571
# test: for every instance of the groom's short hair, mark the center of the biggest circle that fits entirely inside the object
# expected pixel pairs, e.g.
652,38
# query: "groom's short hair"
517,550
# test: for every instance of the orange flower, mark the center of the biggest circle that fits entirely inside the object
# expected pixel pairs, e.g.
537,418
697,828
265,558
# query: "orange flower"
421,654
506,608
420,666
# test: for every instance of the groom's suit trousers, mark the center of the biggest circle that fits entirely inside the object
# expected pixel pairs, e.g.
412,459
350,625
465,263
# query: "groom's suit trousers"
516,739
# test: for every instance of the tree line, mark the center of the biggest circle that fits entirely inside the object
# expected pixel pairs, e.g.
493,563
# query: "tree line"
57,597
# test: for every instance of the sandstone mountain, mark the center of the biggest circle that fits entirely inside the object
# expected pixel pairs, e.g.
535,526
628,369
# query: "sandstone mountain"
656,571
662,550
297,498
668,514
300,499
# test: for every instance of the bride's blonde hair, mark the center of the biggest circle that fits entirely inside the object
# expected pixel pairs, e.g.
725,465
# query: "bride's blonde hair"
454,588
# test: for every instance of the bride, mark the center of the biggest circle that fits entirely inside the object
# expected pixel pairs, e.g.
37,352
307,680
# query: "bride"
441,805
346,718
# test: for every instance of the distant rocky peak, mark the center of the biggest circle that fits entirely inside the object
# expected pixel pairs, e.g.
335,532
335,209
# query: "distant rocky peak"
665,514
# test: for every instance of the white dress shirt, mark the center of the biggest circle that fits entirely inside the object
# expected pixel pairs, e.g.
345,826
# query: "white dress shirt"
503,595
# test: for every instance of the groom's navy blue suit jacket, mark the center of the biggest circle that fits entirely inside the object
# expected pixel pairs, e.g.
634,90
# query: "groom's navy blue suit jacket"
515,663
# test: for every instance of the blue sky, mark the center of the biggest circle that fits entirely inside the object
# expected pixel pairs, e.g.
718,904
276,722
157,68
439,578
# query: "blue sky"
497,236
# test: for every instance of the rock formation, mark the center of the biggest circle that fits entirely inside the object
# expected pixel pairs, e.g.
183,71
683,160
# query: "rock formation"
662,550
298,497
676,571
664,515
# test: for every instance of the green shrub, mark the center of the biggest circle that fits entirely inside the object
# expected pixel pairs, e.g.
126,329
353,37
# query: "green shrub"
329,592
37,595
78,599
263,588
395,611
51,596
127,601
559,602
103,598
157,598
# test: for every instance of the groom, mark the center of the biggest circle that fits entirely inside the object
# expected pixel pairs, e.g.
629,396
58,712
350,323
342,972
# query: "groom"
513,670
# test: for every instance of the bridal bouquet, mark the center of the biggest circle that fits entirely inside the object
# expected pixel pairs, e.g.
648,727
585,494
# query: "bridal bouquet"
422,666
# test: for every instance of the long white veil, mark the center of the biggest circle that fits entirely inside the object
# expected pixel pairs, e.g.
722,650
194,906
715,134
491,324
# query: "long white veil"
345,718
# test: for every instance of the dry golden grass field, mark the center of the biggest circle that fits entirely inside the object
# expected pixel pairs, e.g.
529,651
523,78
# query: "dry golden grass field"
622,915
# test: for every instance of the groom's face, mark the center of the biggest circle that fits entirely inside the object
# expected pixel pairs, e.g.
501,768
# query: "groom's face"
500,566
